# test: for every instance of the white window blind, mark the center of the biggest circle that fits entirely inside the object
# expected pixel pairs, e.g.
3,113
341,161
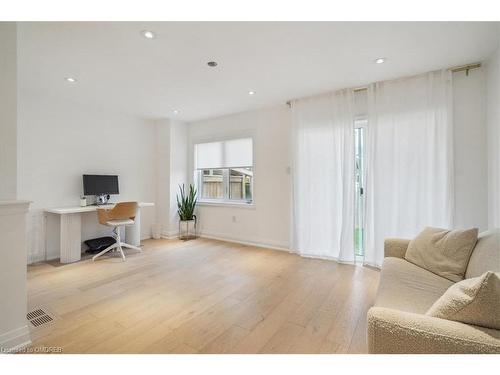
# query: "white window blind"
232,153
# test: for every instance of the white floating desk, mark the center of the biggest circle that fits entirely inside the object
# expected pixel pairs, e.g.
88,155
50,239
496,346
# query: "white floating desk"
70,235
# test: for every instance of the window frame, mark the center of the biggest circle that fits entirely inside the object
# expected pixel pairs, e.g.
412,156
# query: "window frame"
197,175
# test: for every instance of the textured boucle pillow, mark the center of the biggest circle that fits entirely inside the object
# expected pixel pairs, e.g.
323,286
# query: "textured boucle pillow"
472,301
443,252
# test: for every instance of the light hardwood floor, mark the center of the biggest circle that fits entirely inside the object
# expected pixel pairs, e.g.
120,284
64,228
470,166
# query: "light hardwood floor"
203,296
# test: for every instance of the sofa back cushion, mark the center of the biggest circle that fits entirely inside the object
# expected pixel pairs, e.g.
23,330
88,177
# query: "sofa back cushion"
486,254
443,252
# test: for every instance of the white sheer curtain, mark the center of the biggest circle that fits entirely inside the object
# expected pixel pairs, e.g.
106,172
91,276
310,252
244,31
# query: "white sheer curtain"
323,176
409,159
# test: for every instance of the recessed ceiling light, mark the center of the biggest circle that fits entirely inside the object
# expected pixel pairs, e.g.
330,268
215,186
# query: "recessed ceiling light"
212,64
251,93
70,79
380,60
148,34
176,112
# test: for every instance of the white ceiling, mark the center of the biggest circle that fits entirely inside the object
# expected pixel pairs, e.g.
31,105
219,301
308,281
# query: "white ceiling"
118,69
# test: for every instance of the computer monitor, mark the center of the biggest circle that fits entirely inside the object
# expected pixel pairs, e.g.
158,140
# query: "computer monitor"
100,184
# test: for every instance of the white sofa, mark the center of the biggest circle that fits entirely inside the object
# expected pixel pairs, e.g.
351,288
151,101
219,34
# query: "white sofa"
397,323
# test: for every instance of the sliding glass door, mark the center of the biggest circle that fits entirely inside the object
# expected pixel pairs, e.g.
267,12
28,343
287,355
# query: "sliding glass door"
359,174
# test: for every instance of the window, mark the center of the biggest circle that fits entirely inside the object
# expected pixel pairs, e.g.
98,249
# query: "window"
240,184
224,171
212,183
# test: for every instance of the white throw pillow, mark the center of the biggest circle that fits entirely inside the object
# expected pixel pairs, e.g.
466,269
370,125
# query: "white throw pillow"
472,301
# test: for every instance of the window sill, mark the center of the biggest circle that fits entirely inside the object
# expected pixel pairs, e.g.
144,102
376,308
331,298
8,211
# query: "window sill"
226,204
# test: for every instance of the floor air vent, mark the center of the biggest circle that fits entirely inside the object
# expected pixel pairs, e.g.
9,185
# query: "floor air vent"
35,314
38,317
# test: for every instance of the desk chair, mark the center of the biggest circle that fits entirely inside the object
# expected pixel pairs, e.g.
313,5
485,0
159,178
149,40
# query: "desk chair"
121,214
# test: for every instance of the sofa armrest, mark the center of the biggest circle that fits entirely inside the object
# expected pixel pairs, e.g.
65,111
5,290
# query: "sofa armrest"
395,247
393,331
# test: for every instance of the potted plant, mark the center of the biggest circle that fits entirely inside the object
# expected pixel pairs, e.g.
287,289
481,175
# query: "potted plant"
186,204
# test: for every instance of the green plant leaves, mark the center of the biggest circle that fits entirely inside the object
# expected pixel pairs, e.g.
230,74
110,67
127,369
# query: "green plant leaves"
186,203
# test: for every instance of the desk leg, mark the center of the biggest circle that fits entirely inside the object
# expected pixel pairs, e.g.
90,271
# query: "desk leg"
133,232
70,240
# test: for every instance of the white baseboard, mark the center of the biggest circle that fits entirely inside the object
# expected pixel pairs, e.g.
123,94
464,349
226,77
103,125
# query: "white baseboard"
171,235
263,244
15,340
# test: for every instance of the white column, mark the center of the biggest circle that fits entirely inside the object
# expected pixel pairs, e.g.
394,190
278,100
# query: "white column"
14,332
8,110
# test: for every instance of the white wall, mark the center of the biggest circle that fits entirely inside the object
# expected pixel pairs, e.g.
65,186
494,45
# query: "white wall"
178,169
268,221
58,142
171,138
493,120
163,175
470,155
8,110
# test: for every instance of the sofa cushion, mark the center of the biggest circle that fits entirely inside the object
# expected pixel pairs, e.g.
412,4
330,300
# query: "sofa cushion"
407,287
444,252
471,301
486,254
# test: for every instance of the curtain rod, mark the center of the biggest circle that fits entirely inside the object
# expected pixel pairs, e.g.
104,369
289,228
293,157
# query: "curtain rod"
456,69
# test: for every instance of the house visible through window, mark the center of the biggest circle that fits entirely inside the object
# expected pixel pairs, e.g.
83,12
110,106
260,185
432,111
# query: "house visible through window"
224,171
